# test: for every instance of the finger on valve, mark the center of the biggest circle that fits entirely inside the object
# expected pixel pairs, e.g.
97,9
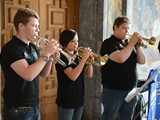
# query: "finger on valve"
91,57
57,54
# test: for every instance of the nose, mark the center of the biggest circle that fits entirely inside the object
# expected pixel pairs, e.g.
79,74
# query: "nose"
37,29
127,30
76,43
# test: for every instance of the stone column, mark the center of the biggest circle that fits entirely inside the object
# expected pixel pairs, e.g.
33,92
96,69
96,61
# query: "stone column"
90,35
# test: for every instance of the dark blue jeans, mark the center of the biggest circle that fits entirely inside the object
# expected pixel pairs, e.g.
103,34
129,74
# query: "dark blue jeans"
21,113
70,114
114,104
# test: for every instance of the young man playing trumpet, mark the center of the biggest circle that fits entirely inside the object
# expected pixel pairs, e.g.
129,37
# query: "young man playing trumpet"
119,73
22,65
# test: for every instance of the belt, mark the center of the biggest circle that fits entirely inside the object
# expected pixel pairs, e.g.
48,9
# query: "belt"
20,109
23,107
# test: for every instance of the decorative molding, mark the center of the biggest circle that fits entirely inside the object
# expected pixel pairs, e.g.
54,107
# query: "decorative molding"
64,3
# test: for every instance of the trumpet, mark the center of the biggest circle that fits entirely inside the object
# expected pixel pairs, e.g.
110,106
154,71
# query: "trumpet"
101,60
151,41
40,44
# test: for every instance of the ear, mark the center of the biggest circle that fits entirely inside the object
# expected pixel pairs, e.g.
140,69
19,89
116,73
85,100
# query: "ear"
20,26
115,27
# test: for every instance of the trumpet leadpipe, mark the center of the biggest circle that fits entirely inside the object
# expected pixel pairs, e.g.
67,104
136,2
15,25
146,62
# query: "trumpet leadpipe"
151,41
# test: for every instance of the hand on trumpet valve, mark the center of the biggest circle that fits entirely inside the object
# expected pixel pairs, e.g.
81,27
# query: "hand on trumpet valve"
139,43
135,39
91,57
86,53
57,54
52,47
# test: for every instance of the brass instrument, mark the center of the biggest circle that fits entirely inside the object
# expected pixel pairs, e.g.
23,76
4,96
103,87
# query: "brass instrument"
101,59
40,44
151,41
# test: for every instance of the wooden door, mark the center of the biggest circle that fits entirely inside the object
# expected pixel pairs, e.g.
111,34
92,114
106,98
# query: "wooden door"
55,16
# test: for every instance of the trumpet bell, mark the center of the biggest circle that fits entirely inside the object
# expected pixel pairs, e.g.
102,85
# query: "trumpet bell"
103,60
98,59
152,41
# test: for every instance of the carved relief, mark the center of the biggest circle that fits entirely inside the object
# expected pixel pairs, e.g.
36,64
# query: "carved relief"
8,14
64,3
52,20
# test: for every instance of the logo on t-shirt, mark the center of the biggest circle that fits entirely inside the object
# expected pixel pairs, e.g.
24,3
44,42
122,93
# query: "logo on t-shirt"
26,55
35,55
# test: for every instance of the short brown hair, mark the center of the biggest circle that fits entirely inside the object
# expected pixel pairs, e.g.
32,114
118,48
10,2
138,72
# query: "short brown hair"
120,20
23,15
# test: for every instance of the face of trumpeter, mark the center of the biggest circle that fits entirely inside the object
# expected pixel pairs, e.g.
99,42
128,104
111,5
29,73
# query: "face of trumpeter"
72,45
122,31
30,30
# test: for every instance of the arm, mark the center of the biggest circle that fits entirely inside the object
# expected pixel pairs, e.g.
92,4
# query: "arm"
141,58
29,72
121,56
47,68
74,73
89,70
26,71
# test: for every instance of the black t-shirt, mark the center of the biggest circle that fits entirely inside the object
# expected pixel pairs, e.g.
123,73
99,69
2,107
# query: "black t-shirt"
17,91
70,94
118,76
159,47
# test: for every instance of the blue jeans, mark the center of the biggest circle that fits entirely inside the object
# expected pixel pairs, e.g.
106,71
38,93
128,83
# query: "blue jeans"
70,114
20,113
115,105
